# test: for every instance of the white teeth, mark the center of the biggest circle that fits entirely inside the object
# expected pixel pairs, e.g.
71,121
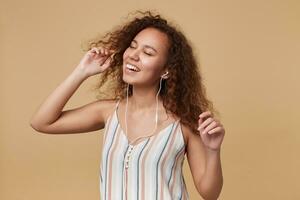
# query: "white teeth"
132,67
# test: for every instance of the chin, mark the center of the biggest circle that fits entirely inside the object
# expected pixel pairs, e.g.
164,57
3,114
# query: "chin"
127,80
130,81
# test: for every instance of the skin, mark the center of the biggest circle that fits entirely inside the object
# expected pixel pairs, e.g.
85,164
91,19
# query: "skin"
203,148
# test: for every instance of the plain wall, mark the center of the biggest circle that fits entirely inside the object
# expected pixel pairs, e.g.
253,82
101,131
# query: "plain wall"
249,57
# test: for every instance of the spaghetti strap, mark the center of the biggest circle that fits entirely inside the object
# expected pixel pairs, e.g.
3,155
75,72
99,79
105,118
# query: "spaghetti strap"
117,104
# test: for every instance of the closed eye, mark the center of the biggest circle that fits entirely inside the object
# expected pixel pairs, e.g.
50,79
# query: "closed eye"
148,54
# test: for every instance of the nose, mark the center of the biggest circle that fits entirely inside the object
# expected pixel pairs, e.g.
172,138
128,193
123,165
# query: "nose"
134,54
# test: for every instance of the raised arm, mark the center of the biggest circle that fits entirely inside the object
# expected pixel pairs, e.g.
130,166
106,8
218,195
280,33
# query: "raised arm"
49,118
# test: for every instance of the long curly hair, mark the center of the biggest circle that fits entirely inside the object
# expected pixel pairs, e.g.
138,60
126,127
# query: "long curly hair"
183,93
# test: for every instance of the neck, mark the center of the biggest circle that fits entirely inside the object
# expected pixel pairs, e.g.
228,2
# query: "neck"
143,99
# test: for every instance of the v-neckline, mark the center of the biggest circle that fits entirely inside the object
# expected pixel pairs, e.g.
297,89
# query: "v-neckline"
146,138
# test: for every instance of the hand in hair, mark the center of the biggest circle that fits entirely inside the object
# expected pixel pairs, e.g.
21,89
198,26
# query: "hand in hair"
95,61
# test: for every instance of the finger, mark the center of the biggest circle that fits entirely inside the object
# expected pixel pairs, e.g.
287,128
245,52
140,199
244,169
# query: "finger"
102,60
215,130
107,62
205,114
100,49
205,123
201,117
200,121
103,52
211,126
95,49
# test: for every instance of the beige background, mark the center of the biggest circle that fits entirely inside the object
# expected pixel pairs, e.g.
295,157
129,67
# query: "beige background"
249,56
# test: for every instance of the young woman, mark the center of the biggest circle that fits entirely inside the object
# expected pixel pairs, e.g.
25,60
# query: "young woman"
159,113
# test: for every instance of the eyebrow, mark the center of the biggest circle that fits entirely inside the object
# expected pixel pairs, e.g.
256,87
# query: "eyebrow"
147,46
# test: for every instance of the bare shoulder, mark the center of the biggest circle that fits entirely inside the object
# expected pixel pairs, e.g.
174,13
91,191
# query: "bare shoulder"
106,107
187,132
191,136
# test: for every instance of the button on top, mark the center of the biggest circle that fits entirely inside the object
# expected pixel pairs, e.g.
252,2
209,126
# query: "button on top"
130,148
128,155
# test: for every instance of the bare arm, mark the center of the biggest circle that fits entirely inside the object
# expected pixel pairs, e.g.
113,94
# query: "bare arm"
212,180
50,118
205,167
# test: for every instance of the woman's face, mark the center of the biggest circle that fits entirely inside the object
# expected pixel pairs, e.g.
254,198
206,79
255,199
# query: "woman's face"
147,56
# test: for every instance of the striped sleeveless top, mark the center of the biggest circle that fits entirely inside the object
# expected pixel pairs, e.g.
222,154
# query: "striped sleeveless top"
154,166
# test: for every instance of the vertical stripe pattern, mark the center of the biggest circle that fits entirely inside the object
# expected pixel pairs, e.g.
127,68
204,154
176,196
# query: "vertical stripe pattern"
155,164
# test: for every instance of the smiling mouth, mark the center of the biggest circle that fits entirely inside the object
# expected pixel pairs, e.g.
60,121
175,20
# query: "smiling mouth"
132,67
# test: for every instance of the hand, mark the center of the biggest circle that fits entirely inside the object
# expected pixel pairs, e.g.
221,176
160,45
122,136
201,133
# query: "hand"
211,131
95,61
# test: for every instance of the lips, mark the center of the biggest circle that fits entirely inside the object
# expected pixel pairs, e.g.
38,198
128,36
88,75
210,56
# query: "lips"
132,67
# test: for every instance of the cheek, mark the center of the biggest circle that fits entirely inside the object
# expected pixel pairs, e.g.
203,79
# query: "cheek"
150,67
125,54
151,71
152,64
154,68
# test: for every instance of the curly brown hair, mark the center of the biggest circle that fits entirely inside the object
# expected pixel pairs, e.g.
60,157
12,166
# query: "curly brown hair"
183,93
